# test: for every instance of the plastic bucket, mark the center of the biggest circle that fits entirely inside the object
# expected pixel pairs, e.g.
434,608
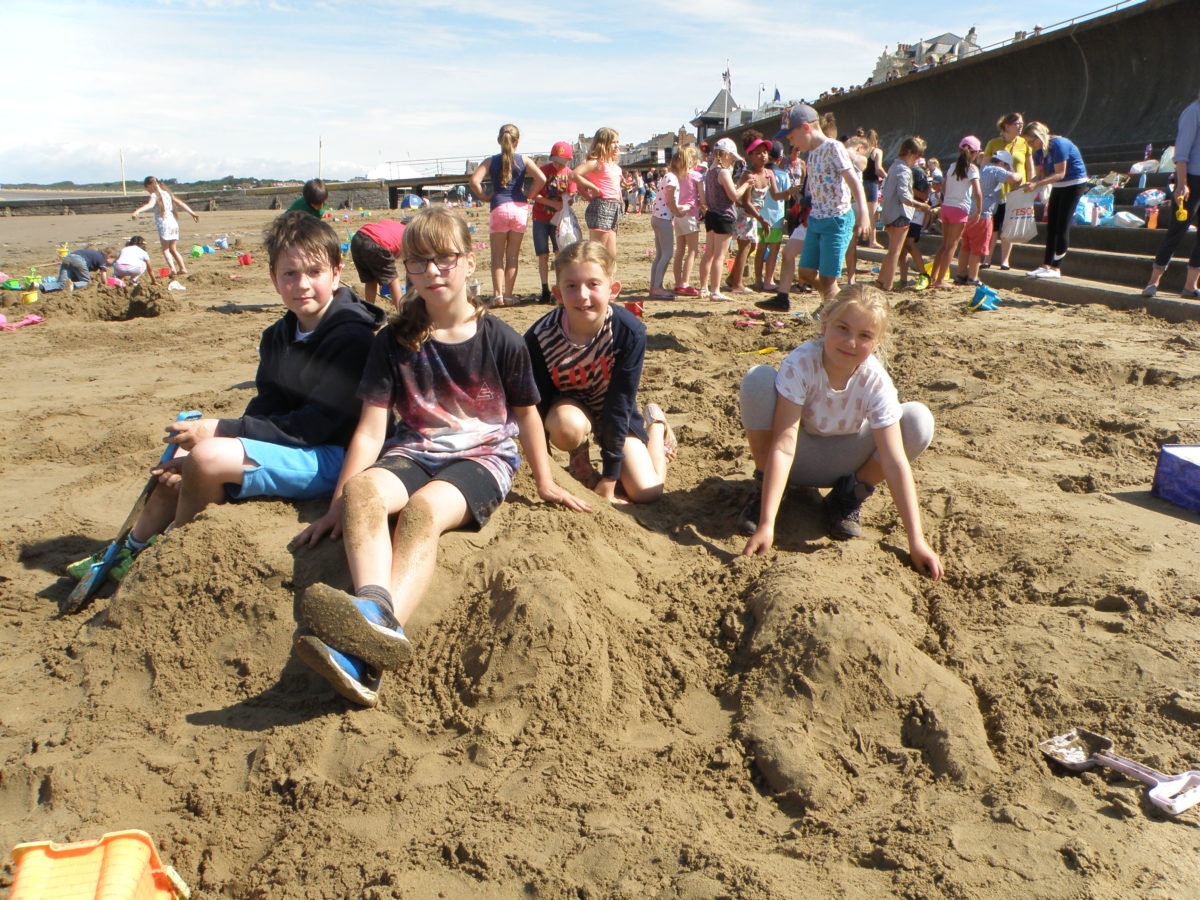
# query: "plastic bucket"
208,249
164,272
29,297
122,865
635,307
245,259
197,251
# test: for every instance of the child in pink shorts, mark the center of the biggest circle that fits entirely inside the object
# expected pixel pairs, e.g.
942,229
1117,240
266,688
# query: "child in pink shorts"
510,209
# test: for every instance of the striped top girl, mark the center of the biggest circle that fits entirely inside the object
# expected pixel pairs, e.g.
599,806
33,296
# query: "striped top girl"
602,376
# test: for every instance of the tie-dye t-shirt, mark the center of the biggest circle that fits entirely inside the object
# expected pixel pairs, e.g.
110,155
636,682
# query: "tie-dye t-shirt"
869,396
454,401
828,189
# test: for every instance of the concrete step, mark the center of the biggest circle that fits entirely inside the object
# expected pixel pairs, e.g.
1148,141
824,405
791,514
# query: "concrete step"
1014,286
1108,267
1141,242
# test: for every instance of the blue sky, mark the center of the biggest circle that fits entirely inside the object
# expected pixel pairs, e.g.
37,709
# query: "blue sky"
205,88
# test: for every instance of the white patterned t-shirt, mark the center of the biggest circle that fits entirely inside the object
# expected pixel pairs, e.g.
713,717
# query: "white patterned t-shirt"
828,189
869,396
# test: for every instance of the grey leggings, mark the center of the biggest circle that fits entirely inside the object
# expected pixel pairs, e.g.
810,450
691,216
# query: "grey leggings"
664,244
820,461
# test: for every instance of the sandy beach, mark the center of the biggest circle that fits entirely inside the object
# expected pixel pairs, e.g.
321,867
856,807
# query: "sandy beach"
615,704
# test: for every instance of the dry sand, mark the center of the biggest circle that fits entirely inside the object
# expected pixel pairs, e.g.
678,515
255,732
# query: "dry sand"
616,705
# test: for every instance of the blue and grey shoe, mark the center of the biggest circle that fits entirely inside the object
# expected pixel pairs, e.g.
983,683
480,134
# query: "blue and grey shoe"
355,625
350,677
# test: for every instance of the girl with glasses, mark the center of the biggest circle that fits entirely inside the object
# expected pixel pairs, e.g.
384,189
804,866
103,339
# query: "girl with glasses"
461,389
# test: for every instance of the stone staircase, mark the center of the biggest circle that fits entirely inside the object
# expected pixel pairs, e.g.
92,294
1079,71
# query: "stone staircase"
1105,264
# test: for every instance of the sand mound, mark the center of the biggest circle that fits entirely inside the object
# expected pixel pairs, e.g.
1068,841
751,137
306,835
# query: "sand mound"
112,304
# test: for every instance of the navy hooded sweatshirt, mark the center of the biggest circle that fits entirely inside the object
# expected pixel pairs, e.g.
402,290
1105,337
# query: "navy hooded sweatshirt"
307,390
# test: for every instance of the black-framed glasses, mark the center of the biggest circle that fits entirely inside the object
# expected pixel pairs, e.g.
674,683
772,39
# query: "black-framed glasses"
420,265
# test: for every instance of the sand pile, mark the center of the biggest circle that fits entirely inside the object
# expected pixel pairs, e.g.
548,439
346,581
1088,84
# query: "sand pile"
616,705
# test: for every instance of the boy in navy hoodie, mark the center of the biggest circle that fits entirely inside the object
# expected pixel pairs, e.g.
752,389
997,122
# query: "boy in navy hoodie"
291,440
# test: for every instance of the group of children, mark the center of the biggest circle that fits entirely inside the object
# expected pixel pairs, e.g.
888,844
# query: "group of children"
446,394
548,196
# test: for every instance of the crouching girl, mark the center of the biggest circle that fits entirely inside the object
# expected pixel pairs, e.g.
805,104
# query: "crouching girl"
831,418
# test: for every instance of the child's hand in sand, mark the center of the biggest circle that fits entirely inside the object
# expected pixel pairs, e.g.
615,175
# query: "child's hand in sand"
760,542
187,434
552,493
924,560
330,523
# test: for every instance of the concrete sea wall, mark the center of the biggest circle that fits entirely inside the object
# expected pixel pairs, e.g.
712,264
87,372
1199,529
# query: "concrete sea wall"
1118,79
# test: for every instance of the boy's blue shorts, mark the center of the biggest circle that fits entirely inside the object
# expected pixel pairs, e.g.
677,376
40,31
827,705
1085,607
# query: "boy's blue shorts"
826,244
294,473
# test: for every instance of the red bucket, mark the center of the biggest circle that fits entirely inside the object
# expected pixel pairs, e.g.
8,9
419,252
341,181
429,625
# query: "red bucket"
164,273
635,307
245,259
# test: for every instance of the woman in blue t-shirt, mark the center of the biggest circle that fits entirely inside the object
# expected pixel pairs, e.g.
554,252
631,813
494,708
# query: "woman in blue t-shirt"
1056,161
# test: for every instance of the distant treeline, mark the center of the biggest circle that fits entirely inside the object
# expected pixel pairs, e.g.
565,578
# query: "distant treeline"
228,181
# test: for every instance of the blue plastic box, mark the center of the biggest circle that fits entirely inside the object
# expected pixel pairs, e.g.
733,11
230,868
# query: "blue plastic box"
1177,476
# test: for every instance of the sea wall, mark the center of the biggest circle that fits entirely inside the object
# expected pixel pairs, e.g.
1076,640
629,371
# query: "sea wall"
1118,79
1111,84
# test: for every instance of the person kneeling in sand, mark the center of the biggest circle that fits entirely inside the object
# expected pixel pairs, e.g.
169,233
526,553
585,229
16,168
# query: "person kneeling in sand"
830,417
461,387
290,441
587,360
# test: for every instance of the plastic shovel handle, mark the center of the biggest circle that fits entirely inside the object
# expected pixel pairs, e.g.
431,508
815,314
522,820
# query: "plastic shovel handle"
1134,770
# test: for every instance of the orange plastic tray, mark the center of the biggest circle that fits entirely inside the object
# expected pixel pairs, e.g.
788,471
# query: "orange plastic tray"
122,865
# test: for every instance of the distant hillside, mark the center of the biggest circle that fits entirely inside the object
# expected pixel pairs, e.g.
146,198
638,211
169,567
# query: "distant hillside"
228,181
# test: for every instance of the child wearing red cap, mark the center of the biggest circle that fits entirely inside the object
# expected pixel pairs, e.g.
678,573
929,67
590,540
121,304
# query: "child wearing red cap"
546,205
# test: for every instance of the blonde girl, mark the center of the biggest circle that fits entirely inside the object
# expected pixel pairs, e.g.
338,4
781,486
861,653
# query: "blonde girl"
587,361
599,180
720,197
510,209
163,202
830,417
459,385
684,193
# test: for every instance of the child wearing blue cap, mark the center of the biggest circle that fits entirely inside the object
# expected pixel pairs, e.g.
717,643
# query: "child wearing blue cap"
839,206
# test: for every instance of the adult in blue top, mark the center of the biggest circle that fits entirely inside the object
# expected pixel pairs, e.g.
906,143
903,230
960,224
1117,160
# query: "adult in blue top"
1187,198
510,208
1056,161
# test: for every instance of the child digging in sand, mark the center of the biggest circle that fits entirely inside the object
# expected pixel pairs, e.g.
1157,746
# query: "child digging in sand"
461,387
587,360
830,417
290,440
